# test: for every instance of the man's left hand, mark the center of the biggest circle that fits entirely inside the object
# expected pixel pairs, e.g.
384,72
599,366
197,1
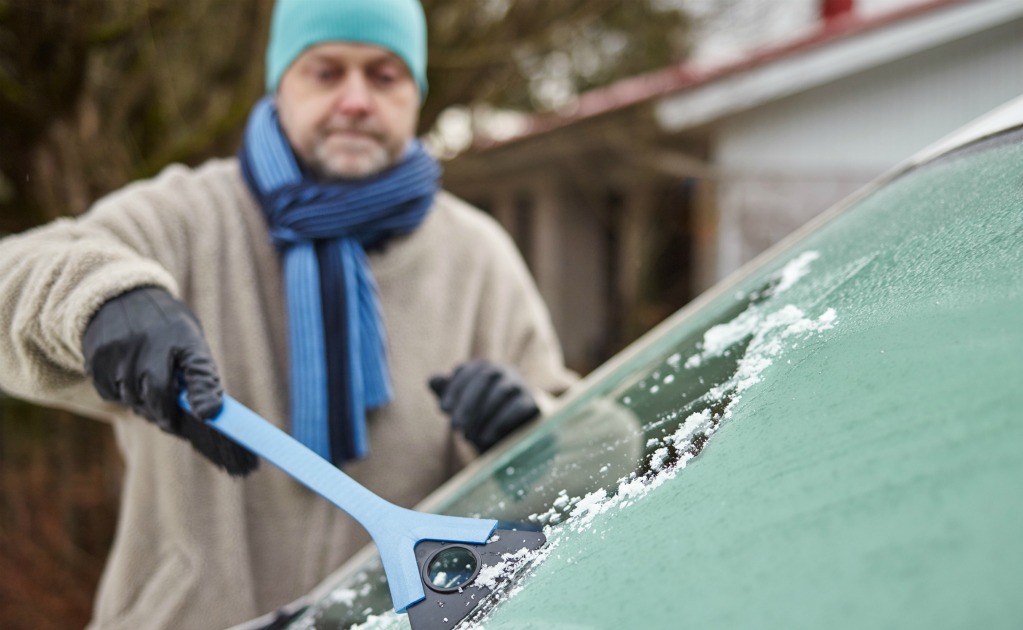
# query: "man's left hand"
486,401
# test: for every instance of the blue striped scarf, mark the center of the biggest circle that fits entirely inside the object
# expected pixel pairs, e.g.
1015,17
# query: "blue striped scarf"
337,342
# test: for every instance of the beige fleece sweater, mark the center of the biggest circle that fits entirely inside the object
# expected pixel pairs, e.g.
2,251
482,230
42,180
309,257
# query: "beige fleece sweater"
196,548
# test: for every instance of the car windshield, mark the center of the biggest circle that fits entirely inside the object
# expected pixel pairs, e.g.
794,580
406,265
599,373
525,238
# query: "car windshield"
637,426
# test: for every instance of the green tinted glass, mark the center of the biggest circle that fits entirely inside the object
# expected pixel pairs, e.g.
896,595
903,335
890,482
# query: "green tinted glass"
836,443
867,468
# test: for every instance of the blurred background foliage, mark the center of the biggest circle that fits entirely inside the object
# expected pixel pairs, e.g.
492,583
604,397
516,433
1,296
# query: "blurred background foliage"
97,93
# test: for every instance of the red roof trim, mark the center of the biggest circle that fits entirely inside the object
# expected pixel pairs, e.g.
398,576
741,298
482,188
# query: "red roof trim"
683,76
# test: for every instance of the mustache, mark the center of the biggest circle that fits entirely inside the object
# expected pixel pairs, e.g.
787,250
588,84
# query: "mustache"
352,126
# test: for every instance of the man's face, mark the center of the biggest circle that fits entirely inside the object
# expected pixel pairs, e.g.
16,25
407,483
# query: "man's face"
348,110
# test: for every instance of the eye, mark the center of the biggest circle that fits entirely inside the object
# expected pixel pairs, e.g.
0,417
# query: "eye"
325,73
328,74
388,73
384,76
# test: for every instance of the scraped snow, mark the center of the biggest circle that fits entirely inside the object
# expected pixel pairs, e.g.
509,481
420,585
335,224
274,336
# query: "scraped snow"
684,434
491,576
794,271
768,328
723,336
389,620
347,596
658,458
771,328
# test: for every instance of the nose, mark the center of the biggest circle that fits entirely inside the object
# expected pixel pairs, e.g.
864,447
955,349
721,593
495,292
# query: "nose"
354,97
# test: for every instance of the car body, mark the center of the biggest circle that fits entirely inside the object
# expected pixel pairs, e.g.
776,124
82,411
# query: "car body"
832,437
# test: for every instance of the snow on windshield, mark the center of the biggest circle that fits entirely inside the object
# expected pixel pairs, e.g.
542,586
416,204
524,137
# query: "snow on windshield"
389,620
348,597
753,340
771,326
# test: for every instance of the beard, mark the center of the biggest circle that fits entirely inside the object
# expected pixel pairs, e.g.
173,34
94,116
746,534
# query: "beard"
349,150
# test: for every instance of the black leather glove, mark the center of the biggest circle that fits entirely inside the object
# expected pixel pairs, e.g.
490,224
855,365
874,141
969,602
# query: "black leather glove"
140,348
486,401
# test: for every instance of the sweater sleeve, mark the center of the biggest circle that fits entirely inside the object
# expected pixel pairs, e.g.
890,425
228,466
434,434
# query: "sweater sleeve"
55,277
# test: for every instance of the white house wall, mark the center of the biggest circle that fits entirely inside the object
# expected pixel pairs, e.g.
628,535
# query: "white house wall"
783,162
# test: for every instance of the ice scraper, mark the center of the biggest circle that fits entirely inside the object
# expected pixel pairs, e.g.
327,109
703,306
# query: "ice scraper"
431,560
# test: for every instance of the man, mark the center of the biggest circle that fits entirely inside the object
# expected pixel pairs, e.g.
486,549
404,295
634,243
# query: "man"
322,279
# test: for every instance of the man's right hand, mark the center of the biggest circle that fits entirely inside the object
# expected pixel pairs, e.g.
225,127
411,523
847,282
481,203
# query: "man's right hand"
140,348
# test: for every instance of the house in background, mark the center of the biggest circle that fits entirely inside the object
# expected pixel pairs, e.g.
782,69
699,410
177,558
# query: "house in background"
646,192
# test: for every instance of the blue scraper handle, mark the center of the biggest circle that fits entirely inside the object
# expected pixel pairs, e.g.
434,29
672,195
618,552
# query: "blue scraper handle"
394,529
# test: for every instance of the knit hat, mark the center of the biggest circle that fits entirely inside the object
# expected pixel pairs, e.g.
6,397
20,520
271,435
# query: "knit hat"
397,25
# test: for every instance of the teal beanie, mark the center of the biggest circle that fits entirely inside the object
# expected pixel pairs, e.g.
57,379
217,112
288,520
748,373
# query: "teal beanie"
397,25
